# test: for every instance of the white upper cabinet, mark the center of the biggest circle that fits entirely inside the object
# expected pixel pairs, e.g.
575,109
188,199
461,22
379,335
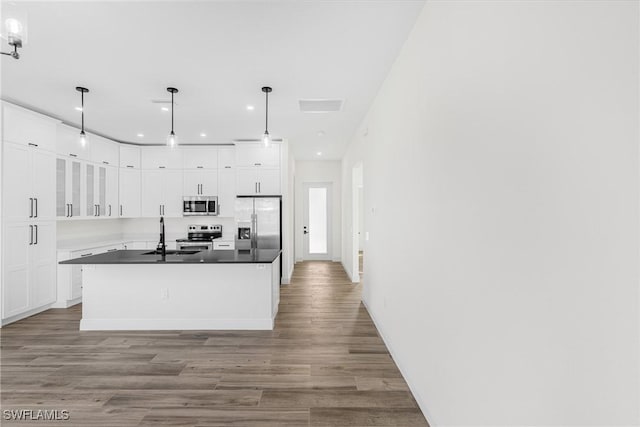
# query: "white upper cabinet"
103,151
29,189
251,154
200,183
68,143
226,157
68,187
200,158
161,158
129,156
25,127
162,193
256,181
129,194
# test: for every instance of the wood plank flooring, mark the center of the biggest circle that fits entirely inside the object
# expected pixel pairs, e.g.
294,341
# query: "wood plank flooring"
324,364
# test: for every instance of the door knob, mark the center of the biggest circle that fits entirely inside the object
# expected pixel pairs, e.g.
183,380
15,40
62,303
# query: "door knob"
305,231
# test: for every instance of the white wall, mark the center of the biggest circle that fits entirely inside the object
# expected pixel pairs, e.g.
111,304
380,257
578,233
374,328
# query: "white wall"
289,222
319,171
507,133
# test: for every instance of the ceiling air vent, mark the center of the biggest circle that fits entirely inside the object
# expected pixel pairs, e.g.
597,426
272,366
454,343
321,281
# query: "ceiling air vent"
320,105
163,101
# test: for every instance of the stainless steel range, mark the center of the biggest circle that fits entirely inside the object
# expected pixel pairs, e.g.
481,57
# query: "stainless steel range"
200,237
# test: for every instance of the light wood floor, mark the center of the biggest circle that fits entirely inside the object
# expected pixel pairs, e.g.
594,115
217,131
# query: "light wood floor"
324,364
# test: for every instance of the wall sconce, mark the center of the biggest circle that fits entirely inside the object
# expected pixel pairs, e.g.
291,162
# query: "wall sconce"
13,29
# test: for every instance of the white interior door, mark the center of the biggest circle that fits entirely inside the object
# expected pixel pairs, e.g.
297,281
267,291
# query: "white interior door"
316,226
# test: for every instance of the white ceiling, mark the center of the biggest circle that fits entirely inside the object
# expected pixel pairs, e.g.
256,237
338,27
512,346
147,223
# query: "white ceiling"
218,54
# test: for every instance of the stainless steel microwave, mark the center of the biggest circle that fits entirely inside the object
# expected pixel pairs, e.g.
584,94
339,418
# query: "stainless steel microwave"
200,205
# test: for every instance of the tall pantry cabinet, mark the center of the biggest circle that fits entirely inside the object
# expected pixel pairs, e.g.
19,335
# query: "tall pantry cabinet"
28,212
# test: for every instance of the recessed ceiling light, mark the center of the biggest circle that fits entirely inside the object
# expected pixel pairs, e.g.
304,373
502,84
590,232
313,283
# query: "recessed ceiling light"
319,153
78,108
321,133
203,134
164,108
141,135
250,107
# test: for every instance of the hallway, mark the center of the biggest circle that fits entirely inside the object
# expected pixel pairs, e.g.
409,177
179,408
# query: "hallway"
323,365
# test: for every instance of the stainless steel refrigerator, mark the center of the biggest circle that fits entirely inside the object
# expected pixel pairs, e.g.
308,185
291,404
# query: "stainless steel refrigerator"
259,222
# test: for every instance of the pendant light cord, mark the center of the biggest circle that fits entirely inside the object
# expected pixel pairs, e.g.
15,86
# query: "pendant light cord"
172,112
266,116
82,106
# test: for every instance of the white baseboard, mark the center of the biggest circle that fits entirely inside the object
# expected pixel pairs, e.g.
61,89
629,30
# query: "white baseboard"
286,279
355,278
66,303
174,324
399,364
24,315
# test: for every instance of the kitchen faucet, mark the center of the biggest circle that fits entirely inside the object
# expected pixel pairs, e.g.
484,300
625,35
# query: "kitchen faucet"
162,247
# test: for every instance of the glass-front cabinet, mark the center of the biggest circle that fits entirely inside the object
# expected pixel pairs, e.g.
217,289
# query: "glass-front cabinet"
68,187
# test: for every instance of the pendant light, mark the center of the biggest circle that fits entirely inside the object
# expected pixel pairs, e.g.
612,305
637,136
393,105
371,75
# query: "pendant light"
83,136
172,139
266,138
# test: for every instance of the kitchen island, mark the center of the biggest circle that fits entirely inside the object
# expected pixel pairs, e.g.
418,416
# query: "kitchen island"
142,290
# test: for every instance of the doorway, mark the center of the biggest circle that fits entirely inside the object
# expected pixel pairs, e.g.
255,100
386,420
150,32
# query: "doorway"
316,227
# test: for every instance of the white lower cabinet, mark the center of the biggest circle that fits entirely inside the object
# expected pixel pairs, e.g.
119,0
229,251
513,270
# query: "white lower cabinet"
224,245
29,273
70,276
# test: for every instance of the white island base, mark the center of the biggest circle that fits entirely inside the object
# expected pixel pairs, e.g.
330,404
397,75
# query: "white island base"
180,297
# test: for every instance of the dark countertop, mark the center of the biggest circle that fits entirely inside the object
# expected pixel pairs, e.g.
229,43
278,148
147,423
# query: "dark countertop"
243,256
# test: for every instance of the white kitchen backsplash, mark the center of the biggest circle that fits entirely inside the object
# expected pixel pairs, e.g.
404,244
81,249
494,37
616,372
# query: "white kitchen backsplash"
93,229
137,228
175,228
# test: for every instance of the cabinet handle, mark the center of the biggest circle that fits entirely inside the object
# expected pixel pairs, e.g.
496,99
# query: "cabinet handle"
30,207
31,234
82,255
36,228
36,214
163,210
73,155
106,163
109,210
111,250
255,187
130,166
227,167
71,210
120,210
32,144
259,187
68,209
257,164
200,167
162,167
223,246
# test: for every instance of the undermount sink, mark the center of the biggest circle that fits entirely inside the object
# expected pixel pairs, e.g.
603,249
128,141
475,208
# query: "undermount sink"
171,252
